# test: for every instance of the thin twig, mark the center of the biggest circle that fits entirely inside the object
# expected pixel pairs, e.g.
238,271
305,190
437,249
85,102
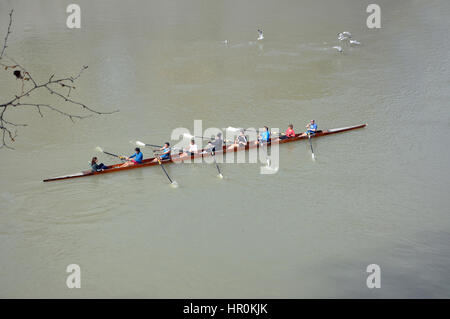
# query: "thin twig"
7,34
6,127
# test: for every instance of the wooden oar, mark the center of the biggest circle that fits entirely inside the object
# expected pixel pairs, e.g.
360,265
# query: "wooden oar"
139,143
99,149
310,144
192,136
235,129
165,172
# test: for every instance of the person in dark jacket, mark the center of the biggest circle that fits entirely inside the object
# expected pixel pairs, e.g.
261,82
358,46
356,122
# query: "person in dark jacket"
97,167
218,143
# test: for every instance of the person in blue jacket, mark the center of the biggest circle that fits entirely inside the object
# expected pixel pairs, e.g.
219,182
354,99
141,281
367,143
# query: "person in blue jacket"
165,153
264,137
134,159
311,128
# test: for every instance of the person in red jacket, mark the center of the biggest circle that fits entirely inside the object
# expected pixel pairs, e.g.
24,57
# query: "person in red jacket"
289,132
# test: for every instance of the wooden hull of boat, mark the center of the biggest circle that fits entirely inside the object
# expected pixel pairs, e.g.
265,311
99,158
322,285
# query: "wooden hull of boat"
149,162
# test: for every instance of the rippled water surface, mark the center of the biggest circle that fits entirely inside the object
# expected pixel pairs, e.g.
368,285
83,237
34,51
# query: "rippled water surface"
376,195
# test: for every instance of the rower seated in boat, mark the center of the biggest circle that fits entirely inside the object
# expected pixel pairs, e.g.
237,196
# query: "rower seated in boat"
165,155
240,141
134,159
214,145
210,148
191,150
264,137
311,128
289,132
97,167
217,143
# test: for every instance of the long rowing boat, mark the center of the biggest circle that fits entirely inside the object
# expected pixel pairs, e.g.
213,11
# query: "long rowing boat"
149,161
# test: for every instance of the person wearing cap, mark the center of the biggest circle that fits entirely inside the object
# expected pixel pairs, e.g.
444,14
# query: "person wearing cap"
311,128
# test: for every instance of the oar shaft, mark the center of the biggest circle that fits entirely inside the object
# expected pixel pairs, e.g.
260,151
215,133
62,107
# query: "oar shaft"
202,137
310,145
153,145
214,158
111,154
165,172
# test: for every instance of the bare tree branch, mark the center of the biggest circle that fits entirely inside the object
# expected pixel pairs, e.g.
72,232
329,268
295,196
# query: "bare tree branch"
7,35
52,86
39,110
